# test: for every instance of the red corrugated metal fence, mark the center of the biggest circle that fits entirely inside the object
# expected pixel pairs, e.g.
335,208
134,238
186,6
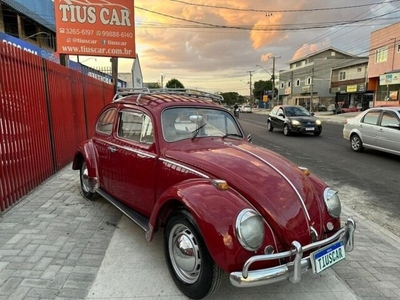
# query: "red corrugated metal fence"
46,110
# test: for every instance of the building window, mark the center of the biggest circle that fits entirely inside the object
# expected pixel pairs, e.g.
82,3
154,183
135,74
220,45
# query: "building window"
381,55
308,81
297,82
282,85
398,48
333,53
359,69
342,75
289,84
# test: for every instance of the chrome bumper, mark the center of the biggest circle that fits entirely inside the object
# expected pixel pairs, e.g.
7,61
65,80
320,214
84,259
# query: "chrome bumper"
294,269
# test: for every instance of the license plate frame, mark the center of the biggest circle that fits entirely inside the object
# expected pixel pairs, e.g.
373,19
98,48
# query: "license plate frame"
320,259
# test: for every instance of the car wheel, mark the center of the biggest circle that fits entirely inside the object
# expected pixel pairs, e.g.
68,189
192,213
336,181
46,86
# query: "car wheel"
286,130
356,143
270,127
189,262
85,183
317,133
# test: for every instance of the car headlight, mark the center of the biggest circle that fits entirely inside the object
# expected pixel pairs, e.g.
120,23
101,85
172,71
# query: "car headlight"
332,202
318,122
250,229
295,122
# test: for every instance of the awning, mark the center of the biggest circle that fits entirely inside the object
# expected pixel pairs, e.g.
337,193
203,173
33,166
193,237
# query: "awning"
29,13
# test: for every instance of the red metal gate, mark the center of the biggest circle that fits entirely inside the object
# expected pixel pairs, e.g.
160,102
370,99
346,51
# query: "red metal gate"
46,110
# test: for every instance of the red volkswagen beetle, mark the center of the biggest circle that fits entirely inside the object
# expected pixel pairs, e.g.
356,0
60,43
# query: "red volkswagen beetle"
177,160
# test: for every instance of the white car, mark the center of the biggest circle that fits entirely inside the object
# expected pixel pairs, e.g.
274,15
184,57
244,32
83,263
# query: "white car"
245,109
376,128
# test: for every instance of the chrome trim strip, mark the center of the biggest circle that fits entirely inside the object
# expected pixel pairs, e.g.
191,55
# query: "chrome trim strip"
184,167
280,173
130,149
291,270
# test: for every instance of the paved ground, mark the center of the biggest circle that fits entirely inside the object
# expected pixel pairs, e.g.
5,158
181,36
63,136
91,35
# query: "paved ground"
56,245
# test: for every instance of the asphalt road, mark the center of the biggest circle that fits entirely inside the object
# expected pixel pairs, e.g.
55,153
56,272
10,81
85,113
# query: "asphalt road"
367,182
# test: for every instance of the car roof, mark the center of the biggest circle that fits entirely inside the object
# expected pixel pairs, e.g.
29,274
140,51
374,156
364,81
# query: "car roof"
162,98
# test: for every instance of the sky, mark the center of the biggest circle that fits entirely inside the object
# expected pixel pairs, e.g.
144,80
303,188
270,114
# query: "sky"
219,46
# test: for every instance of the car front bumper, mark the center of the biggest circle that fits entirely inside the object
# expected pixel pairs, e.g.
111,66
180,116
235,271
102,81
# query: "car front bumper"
296,267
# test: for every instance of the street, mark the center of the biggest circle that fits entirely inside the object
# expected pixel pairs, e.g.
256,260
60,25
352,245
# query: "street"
367,182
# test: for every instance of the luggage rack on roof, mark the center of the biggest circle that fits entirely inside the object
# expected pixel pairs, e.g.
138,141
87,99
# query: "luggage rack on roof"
123,92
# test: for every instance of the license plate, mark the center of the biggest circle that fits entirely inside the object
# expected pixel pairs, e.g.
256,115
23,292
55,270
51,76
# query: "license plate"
326,257
309,128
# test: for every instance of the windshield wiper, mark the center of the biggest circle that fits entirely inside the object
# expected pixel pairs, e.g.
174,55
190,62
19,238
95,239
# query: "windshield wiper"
196,131
231,134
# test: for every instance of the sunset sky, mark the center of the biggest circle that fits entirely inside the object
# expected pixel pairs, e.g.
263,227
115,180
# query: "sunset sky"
213,45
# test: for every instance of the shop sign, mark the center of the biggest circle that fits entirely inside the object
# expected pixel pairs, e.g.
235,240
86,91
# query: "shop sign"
351,88
388,79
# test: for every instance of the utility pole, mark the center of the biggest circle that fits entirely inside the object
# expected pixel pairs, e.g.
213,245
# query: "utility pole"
312,89
273,78
251,92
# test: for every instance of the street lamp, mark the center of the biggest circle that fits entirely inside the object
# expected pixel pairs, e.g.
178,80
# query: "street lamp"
37,33
95,59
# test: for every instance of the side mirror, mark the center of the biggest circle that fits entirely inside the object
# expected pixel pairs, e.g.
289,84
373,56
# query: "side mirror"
249,138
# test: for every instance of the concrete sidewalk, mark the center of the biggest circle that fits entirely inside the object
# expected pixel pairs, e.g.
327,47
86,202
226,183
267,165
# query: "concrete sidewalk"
55,244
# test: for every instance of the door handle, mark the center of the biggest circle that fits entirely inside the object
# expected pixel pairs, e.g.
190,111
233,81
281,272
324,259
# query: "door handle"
112,149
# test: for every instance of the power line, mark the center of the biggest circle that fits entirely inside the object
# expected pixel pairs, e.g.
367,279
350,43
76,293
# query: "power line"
281,11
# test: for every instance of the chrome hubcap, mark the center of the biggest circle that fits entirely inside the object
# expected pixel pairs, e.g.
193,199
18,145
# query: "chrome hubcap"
85,178
355,143
184,254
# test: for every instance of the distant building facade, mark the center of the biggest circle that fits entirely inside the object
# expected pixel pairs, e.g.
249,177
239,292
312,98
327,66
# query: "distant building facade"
384,65
308,80
349,83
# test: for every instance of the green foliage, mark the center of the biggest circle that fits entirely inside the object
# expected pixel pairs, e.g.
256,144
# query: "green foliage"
230,98
153,85
174,84
259,88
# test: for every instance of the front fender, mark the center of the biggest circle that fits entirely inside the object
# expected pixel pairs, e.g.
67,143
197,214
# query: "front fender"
215,212
86,152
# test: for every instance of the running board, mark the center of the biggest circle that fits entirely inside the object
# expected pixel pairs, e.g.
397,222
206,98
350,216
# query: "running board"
132,214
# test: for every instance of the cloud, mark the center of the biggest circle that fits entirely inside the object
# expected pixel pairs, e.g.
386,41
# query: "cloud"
222,40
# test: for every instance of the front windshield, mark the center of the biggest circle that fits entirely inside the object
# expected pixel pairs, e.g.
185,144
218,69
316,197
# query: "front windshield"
189,123
297,111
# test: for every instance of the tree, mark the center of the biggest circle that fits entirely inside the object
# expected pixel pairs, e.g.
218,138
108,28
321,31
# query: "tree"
230,98
260,87
174,84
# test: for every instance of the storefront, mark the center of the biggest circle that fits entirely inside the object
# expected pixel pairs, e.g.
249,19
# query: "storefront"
388,89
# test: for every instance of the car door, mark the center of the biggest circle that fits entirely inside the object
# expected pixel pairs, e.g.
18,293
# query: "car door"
135,160
275,119
388,133
368,127
103,142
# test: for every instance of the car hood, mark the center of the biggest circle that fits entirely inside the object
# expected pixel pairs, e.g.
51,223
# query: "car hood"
277,188
303,119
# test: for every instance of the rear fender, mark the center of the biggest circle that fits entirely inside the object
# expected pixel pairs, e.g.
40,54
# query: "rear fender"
215,212
86,152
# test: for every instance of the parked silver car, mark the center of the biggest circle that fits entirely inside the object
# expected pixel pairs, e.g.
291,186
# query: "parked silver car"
376,128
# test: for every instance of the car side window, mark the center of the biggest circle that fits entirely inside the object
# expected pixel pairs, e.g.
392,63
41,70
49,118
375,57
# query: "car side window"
389,119
274,110
280,111
371,117
135,126
106,121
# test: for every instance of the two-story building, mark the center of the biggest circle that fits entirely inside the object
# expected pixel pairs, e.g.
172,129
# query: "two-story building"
349,82
384,65
308,79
